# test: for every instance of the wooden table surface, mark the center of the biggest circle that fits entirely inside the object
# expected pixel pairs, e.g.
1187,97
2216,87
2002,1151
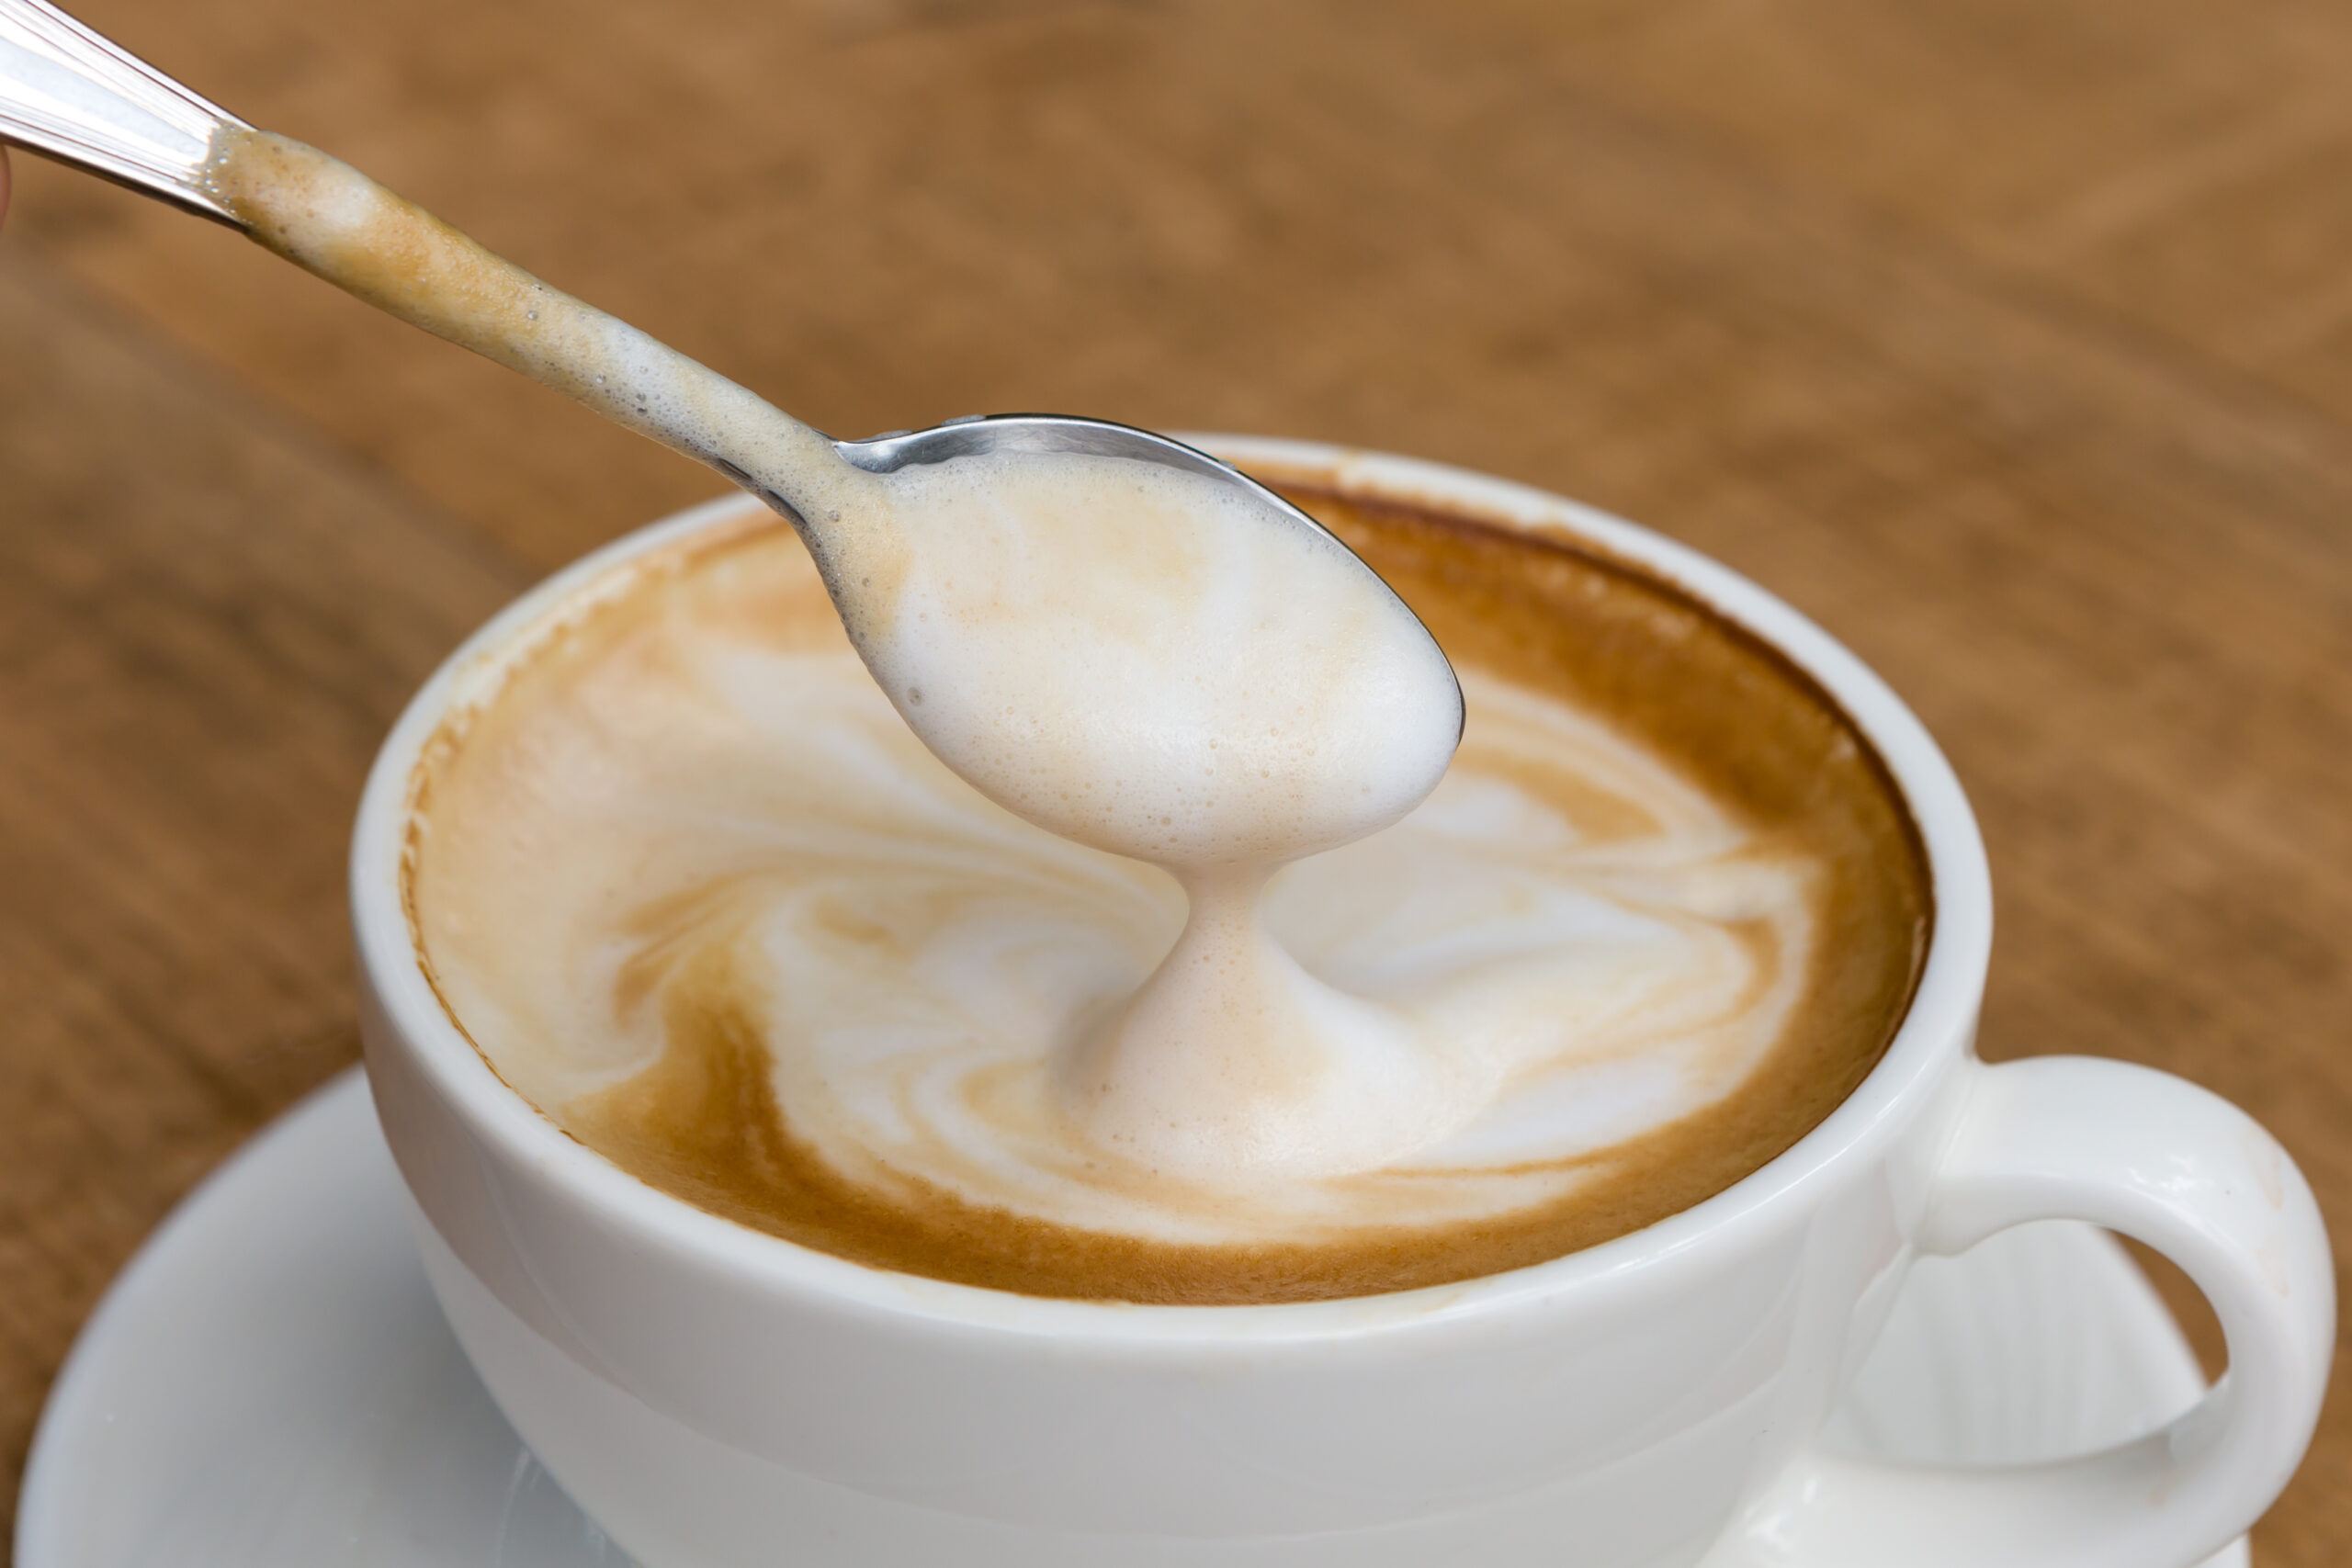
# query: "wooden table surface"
2012,340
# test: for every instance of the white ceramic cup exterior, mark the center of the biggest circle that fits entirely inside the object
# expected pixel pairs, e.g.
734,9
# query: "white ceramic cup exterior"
719,1398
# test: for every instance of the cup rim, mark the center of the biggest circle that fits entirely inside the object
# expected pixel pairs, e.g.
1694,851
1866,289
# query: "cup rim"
1937,1023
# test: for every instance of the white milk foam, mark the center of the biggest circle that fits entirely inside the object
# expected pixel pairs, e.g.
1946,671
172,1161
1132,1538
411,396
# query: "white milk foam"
1565,946
1160,665
1153,662
1143,660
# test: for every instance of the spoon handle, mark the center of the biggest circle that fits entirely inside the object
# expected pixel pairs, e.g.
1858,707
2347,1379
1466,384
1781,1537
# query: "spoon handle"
72,96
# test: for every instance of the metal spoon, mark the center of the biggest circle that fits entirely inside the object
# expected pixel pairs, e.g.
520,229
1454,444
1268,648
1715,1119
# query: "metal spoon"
76,96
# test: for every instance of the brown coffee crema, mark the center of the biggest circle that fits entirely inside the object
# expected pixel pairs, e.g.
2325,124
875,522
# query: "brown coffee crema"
1724,710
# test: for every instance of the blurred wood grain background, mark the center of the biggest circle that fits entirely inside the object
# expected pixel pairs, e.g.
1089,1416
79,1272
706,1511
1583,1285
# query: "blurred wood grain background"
2011,341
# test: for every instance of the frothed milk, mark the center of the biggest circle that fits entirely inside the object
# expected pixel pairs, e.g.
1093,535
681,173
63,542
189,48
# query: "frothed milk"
1151,663
1025,1009
1141,660
687,881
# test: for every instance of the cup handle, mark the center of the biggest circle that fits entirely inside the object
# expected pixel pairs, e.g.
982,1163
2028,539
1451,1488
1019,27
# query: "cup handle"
2192,1175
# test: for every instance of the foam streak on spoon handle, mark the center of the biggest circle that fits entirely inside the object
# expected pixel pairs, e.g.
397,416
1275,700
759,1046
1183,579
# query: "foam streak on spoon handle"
334,222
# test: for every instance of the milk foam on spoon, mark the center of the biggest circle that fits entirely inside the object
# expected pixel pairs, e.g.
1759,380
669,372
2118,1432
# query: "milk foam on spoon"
1131,657
1195,686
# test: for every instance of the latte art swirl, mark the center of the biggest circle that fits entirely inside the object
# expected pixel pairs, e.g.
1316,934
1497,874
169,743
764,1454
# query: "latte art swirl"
695,891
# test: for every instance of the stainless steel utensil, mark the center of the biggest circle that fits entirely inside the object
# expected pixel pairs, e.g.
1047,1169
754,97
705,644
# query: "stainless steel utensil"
71,95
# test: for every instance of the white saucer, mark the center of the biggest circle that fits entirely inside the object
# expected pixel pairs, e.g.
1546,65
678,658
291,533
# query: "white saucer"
270,1384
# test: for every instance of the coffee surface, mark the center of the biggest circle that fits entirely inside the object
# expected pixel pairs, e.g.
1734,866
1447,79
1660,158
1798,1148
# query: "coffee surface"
693,890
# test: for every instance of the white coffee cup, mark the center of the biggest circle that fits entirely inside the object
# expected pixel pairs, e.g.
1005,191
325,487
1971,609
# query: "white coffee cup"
719,1398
